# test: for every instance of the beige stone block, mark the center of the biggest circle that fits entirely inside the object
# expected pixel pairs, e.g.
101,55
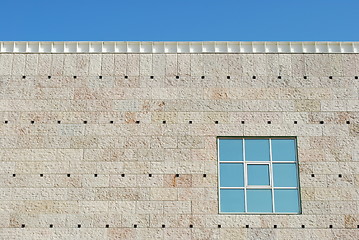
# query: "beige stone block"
184,64
183,181
307,105
177,233
197,65
133,65
163,194
120,64
159,64
18,64
146,65
6,61
177,207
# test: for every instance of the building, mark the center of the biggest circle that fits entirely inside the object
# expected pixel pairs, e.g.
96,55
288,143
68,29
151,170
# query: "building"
179,140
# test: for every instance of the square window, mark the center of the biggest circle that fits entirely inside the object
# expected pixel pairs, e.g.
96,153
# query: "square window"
258,175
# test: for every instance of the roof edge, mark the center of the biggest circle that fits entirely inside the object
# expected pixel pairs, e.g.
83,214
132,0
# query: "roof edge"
178,47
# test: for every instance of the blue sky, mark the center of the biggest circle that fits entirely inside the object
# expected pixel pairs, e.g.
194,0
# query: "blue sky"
179,20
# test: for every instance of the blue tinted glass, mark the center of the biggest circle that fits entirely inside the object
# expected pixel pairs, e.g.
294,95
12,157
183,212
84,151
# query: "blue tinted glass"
286,200
259,200
258,174
230,150
257,149
232,200
231,175
285,175
283,150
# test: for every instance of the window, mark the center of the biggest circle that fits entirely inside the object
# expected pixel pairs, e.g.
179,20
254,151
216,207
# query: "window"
258,175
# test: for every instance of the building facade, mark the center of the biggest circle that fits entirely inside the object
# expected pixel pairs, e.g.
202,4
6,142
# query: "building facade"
138,140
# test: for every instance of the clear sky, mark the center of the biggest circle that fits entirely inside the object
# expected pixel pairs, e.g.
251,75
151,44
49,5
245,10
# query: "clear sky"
179,20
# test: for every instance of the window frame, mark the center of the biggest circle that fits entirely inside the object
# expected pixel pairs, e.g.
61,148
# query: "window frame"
261,187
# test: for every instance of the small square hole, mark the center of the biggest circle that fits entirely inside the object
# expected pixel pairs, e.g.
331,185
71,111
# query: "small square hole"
269,122
356,77
305,77
247,226
163,226
348,122
279,77
357,226
135,226
51,226
204,175
49,77
23,77
254,77
330,226
75,77
100,77
137,122
242,122
85,122
32,122
312,175
164,122
68,175
295,122
177,175
303,226
177,77
330,77
41,175
111,122
58,122
219,226
228,77
14,175
126,77
191,226
340,175
123,175
202,77
151,77
216,122
150,175
79,225
321,122
275,226
107,226
22,225
6,122
95,175
190,122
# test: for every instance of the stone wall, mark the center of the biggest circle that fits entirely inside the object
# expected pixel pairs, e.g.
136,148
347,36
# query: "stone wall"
123,146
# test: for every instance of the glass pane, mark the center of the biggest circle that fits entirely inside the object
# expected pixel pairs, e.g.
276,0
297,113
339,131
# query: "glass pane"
283,150
230,150
286,200
257,149
285,175
231,175
258,174
259,200
232,200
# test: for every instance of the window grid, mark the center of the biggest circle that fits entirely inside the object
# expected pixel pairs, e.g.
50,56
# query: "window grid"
245,175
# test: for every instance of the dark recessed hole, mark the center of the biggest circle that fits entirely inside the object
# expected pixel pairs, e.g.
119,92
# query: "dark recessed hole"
191,226
303,226
85,122
41,175
137,122
107,226
14,175
190,122
122,175
6,121
247,226
330,226
32,122
295,122
79,225
228,77
68,175
135,226
23,77
95,175
58,122
177,175
126,76
305,77
49,77
254,77
163,226
269,122
279,77
150,175
219,226
75,77
275,226
164,122
177,77
151,77
216,122
22,225
204,175
242,122
51,226
356,77
202,77
312,175
321,122
357,226
348,122
340,175
111,122
330,77
100,77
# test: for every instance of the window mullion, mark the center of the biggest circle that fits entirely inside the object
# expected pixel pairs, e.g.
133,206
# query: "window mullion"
271,173
244,175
